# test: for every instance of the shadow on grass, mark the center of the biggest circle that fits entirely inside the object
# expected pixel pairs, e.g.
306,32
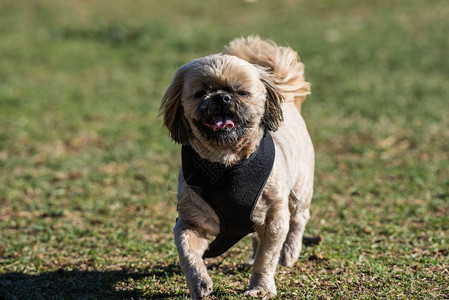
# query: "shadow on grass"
76,284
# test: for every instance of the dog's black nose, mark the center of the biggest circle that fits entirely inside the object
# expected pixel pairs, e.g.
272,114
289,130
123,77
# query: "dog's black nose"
222,98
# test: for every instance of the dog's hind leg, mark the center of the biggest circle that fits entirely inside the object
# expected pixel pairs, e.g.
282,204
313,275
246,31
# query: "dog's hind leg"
300,214
255,240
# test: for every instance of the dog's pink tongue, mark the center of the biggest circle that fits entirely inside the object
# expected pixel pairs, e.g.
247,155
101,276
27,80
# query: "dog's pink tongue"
223,122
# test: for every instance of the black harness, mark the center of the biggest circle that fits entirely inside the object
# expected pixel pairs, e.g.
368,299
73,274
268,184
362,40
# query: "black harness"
232,191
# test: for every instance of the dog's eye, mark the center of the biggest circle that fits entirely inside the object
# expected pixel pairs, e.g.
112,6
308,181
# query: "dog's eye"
200,94
244,93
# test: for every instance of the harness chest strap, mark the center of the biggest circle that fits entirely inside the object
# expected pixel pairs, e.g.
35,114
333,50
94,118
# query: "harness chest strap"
232,191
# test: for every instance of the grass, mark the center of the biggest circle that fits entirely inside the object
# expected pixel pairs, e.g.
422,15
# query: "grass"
88,174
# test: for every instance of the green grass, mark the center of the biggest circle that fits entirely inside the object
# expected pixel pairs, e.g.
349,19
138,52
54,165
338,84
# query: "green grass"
88,174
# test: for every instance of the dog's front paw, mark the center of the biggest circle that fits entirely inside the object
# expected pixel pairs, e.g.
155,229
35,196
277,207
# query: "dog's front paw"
202,288
261,285
259,292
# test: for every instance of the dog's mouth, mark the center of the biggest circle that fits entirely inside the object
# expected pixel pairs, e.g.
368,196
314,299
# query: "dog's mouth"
220,122
221,128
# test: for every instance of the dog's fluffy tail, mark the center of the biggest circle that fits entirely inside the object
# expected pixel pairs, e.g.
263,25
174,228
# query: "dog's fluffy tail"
287,72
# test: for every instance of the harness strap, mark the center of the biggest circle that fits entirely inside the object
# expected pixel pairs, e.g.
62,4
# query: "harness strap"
232,191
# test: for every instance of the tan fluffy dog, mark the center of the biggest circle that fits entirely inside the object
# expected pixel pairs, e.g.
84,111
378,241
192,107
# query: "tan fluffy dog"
260,87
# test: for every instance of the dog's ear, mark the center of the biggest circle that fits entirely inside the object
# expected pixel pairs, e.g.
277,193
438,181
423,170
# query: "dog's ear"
172,110
273,111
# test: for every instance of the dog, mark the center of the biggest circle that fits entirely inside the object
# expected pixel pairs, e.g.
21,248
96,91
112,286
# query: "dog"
247,159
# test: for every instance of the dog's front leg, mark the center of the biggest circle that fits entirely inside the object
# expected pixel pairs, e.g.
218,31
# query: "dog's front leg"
191,243
271,237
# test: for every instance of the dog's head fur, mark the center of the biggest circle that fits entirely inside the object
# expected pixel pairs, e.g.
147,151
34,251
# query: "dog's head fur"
221,104
220,101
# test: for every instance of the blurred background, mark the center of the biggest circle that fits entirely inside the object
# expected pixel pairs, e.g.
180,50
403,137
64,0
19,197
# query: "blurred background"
88,174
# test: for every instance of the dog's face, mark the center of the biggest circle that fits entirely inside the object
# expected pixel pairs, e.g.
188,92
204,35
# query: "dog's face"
220,100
